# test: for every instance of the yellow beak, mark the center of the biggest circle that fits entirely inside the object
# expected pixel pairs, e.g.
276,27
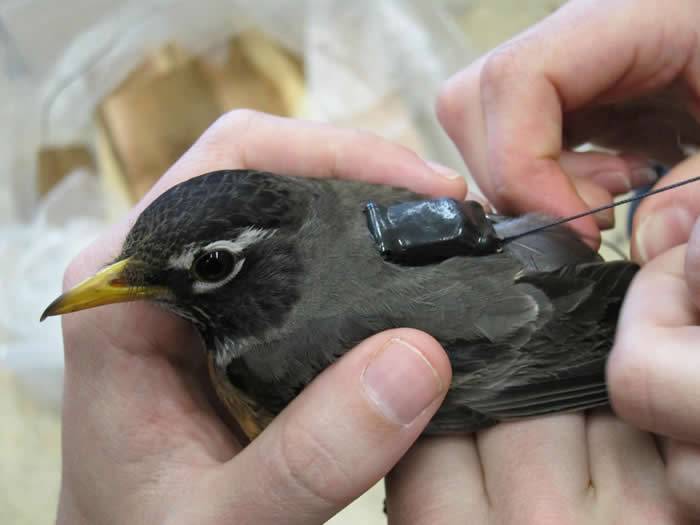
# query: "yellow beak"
108,286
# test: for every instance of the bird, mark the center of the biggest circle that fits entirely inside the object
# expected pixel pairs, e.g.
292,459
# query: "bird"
281,276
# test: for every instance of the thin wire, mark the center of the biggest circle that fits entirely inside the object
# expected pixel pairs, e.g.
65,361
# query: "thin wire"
602,208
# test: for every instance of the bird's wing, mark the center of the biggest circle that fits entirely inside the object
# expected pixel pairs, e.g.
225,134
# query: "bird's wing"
559,366
546,250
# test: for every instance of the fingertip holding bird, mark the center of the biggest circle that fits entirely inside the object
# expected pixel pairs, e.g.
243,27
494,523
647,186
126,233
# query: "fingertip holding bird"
449,182
405,376
397,365
443,170
660,231
640,169
643,175
594,196
350,426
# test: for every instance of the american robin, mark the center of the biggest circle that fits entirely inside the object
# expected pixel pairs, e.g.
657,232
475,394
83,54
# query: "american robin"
281,276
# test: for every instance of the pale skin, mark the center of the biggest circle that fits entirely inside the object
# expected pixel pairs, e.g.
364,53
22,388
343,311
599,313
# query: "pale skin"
141,443
507,113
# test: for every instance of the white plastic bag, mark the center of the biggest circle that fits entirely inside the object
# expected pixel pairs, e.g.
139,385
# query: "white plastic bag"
33,257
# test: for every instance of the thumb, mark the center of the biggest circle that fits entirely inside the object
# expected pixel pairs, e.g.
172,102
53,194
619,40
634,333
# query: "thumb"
341,435
666,220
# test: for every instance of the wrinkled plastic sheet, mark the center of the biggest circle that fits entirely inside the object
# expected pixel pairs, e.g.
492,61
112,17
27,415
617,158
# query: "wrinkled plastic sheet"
33,256
360,58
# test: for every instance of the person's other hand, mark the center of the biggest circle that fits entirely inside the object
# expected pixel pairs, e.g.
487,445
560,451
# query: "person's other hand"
595,71
623,74
654,370
141,442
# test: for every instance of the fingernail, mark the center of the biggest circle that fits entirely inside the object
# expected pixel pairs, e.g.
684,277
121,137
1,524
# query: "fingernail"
443,171
644,175
401,382
605,219
662,230
473,196
613,179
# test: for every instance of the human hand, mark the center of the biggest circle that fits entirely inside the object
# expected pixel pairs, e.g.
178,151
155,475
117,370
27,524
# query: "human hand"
654,369
141,442
623,74
515,114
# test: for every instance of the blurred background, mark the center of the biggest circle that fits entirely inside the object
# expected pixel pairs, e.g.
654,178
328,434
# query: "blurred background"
99,97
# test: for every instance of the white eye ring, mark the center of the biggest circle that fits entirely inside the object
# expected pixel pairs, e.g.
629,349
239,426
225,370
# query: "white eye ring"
184,260
200,286
235,248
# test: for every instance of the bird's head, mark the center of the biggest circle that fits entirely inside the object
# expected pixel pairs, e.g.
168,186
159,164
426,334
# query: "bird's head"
217,250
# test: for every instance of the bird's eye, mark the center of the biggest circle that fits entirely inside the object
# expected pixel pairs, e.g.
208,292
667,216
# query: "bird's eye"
214,266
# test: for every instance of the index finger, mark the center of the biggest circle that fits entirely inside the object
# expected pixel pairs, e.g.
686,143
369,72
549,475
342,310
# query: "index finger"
654,367
253,140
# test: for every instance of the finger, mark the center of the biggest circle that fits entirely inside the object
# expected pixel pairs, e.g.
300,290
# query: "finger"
252,140
657,125
683,474
527,85
248,139
654,366
594,196
340,436
628,473
439,480
551,450
692,265
665,220
624,460
616,173
458,109
599,176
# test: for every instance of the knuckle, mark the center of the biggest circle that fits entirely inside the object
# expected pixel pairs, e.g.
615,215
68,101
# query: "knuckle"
237,121
310,466
502,191
229,132
504,175
499,67
238,117
360,138
449,104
